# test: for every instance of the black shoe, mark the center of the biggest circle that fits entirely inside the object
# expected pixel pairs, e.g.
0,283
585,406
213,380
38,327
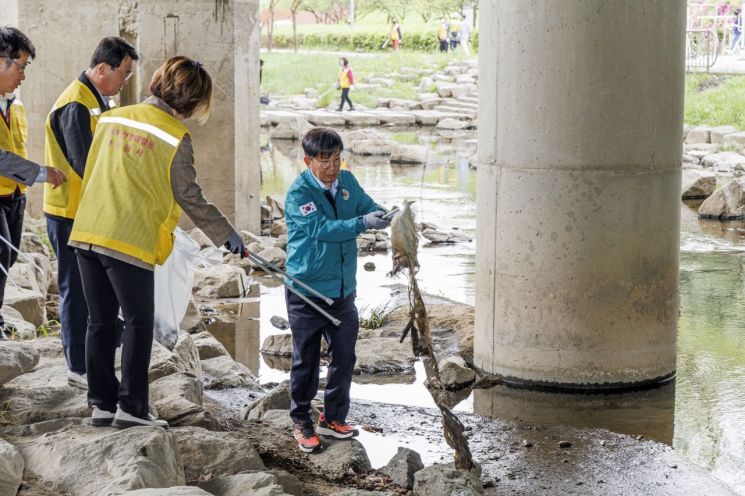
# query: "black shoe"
350,109
339,109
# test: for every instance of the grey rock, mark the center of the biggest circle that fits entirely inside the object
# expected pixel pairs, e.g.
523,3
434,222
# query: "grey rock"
279,227
402,467
737,139
373,147
440,237
277,345
86,460
221,281
183,358
32,243
409,154
255,484
698,184
16,358
699,134
361,492
200,238
280,323
445,89
180,412
454,372
439,480
723,160
228,373
31,304
726,203
383,356
208,346
274,255
169,491
291,129
426,84
717,134
218,453
277,399
279,418
341,457
11,468
450,123
183,384
369,266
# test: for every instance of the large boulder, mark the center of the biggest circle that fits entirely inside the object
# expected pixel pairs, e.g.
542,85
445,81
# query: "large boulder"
698,184
255,483
440,237
455,373
277,399
227,373
206,452
383,356
726,203
277,345
16,358
373,147
183,358
20,327
221,281
717,134
723,161
439,480
340,458
32,243
208,346
31,304
180,412
453,124
11,468
699,134
89,461
291,129
403,466
273,255
409,154
183,384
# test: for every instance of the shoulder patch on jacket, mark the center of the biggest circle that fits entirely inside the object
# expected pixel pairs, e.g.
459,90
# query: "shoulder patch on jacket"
308,209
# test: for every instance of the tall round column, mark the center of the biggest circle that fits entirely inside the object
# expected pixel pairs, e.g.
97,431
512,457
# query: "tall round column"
580,132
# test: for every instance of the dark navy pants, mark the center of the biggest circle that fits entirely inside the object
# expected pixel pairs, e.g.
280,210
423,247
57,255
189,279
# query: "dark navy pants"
72,308
11,228
308,326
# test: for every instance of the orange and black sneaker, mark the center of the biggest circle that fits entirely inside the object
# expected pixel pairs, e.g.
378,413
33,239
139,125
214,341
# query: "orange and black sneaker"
336,429
307,439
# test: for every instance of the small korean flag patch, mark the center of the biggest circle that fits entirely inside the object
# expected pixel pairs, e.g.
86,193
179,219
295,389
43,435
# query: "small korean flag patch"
345,194
308,208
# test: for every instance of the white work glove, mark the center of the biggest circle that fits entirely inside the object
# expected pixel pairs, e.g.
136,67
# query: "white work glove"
375,220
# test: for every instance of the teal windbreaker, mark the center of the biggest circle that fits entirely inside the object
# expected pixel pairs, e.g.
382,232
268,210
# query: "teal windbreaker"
321,243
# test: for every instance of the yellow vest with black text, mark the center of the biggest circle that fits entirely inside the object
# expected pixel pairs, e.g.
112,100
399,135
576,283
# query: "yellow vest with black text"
63,201
127,203
13,137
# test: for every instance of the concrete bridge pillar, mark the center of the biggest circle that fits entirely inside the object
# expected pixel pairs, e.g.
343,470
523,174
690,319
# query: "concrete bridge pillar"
580,134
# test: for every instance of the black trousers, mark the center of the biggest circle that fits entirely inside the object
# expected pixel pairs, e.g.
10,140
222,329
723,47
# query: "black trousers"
109,284
307,328
11,228
72,308
345,98
443,45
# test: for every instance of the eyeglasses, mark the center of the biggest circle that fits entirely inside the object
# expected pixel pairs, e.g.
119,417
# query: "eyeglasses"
325,164
125,76
21,67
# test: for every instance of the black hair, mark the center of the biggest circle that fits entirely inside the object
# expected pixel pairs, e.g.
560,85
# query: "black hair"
322,142
112,51
344,59
13,42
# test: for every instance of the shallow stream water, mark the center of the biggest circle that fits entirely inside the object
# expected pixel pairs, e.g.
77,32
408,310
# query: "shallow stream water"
702,415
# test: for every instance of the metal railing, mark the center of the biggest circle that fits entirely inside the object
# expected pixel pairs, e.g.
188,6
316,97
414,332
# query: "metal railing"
702,49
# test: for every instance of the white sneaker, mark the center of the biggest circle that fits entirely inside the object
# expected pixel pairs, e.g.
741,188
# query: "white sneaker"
123,420
77,380
101,418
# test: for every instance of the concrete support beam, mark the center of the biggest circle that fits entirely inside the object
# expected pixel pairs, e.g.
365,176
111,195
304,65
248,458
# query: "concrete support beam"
223,34
580,131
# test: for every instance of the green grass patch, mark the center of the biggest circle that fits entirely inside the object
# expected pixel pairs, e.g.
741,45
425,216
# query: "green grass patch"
289,74
376,317
715,100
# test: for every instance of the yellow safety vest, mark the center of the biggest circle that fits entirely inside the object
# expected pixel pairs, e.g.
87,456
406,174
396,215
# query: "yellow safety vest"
344,78
63,201
442,34
127,203
13,137
454,27
394,32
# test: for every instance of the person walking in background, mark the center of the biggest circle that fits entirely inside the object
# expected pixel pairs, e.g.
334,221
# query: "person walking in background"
736,31
16,52
395,35
345,82
454,31
69,133
139,176
443,33
465,35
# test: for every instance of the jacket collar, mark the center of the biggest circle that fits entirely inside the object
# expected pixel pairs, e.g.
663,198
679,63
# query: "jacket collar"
103,104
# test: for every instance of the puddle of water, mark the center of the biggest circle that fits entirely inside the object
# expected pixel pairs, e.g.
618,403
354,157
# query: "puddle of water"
702,415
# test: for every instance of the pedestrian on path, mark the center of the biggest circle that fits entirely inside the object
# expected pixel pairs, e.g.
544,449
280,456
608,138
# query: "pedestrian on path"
443,34
139,176
345,82
454,31
736,31
69,133
326,209
395,34
465,35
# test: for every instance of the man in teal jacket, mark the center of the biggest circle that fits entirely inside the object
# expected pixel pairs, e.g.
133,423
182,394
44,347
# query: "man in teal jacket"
325,209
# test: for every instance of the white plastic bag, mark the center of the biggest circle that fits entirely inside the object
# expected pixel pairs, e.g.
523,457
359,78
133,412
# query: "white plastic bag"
173,283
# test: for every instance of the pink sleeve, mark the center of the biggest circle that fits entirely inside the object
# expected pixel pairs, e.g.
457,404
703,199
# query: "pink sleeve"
351,76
